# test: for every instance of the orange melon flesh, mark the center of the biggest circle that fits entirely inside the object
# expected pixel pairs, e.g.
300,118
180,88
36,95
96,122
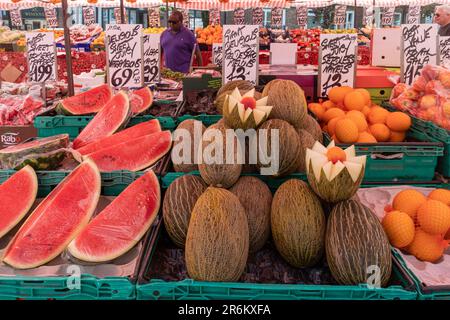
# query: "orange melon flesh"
133,155
121,225
106,122
57,219
136,131
17,195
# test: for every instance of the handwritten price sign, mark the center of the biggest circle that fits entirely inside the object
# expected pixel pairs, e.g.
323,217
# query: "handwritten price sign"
154,18
16,18
124,55
152,61
419,48
277,17
41,56
217,54
413,14
239,16
339,15
444,44
258,16
240,53
88,15
214,17
387,16
337,64
302,17
50,16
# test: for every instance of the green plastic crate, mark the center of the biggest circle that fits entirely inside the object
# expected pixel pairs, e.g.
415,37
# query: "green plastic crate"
51,288
424,293
206,119
49,126
189,289
113,183
404,161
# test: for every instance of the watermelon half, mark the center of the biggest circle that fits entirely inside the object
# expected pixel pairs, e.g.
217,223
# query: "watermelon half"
122,224
56,220
111,118
133,155
41,154
17,195
136,131
91,101
141,100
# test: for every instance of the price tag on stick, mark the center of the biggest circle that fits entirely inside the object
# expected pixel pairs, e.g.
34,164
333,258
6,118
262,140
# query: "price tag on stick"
124,55
217,54
413,14
214,17
152,61
239,16
16,18
418,48
88,15
337,61
387,16
302,17
444,53
154,18
258,16
41,56
277,17
50,16
240,53
339,15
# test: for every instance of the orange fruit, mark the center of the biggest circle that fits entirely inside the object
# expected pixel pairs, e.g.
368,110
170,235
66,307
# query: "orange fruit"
434,217
380,132
366,111
337,94
336,154
333,113
335,139
360,121
328,104
377,115
399,227
442,195
332,125
365,137
398,121
317,109
397,136
427,247
366,95
354,101
346,131
408,201
355,113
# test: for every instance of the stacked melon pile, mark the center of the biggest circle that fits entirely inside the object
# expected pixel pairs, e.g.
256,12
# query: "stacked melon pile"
349,116
419,225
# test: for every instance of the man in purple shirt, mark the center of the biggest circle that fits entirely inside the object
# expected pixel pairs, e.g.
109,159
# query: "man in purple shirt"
178,43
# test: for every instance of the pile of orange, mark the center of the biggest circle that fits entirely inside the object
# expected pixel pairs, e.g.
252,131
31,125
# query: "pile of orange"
349,116
419,225
209,35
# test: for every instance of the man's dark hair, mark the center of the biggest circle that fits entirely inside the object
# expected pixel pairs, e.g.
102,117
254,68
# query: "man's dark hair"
178,14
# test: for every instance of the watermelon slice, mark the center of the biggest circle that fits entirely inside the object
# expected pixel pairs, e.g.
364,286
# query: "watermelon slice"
56,220
121,224
111,118
136,131
133,155
41,154
142,104
17,195
91,101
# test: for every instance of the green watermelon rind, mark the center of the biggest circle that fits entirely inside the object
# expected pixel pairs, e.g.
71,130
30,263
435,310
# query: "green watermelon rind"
65,110
78,254
20,215
48,201
41,156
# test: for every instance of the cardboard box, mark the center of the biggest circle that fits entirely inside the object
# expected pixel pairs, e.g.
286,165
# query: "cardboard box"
12,135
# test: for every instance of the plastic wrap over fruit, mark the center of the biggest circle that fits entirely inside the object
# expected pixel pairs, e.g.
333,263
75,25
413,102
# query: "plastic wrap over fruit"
19,110
39,161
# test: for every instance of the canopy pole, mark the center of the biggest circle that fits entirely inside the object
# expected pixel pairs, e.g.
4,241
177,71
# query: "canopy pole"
122,12
167,14
67,47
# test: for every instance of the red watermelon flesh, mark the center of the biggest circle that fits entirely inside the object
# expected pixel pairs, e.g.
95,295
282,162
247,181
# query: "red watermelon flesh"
105,123
17,195
133,155
136,131
56,220
87,102
122,224
141,100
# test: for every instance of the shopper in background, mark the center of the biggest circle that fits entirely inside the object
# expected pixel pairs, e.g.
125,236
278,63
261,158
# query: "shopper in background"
442,18
178,44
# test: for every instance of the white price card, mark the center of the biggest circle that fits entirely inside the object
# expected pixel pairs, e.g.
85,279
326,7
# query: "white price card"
240,53
124,55
337,61
418,48
152,58
217,54
41,56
